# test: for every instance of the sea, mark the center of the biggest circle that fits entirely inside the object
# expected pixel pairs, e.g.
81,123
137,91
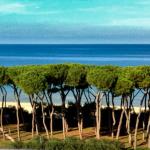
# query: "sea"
95,54
122,55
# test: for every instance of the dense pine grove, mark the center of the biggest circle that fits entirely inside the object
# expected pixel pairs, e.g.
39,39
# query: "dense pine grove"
97,84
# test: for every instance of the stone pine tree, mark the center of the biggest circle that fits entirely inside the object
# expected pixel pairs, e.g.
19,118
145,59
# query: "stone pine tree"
13,74
56,76
76,80
124,87
34,84
61,71
141,76
104,79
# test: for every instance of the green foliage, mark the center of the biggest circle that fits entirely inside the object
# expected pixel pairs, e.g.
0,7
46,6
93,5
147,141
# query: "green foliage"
3,77
32,82
77,76
123,86
138,75
55,74
104,78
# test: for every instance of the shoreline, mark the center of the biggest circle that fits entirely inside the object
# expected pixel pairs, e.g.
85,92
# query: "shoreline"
27,106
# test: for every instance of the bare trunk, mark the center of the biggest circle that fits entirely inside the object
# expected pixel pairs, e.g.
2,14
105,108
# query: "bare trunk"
120,124
79,121
45,127
129,129
16,94
144,126
66,126
78,96
50,103
64,121
148,132
63,116
113,117
63,125
137,123
36,127
128,116
18,122
98,114
33,119
2,127
136,129
148,126
51,122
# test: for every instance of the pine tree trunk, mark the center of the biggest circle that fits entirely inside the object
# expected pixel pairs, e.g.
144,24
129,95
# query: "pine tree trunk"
17,112
18,122
137,123
33,119
144,126
63,116
46,130
136,129
97,116
36,127
100,107
79,121
121,118
66,125
78,97
51,122
129,129
148,126
120,124
63,125
148,132
2,108
2,127
113,118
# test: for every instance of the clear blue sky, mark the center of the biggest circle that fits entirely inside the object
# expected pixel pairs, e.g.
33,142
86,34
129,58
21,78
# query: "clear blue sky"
74,21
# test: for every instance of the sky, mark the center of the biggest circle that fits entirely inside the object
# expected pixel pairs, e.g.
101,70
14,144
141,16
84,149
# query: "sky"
74,21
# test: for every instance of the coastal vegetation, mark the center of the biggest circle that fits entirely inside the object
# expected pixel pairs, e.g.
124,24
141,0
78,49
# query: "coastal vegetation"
116,88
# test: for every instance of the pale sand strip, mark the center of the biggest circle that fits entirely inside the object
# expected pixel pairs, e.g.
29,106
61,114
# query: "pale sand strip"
27,106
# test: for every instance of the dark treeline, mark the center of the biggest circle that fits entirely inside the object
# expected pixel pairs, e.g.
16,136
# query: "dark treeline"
96,83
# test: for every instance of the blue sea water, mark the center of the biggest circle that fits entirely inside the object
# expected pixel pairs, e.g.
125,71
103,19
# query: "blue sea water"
122,55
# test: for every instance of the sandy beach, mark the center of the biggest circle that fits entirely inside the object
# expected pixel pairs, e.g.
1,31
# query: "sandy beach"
27,106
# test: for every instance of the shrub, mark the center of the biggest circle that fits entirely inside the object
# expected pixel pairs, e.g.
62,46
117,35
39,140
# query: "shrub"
54,144
17,145
102,145
73,143
36,143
